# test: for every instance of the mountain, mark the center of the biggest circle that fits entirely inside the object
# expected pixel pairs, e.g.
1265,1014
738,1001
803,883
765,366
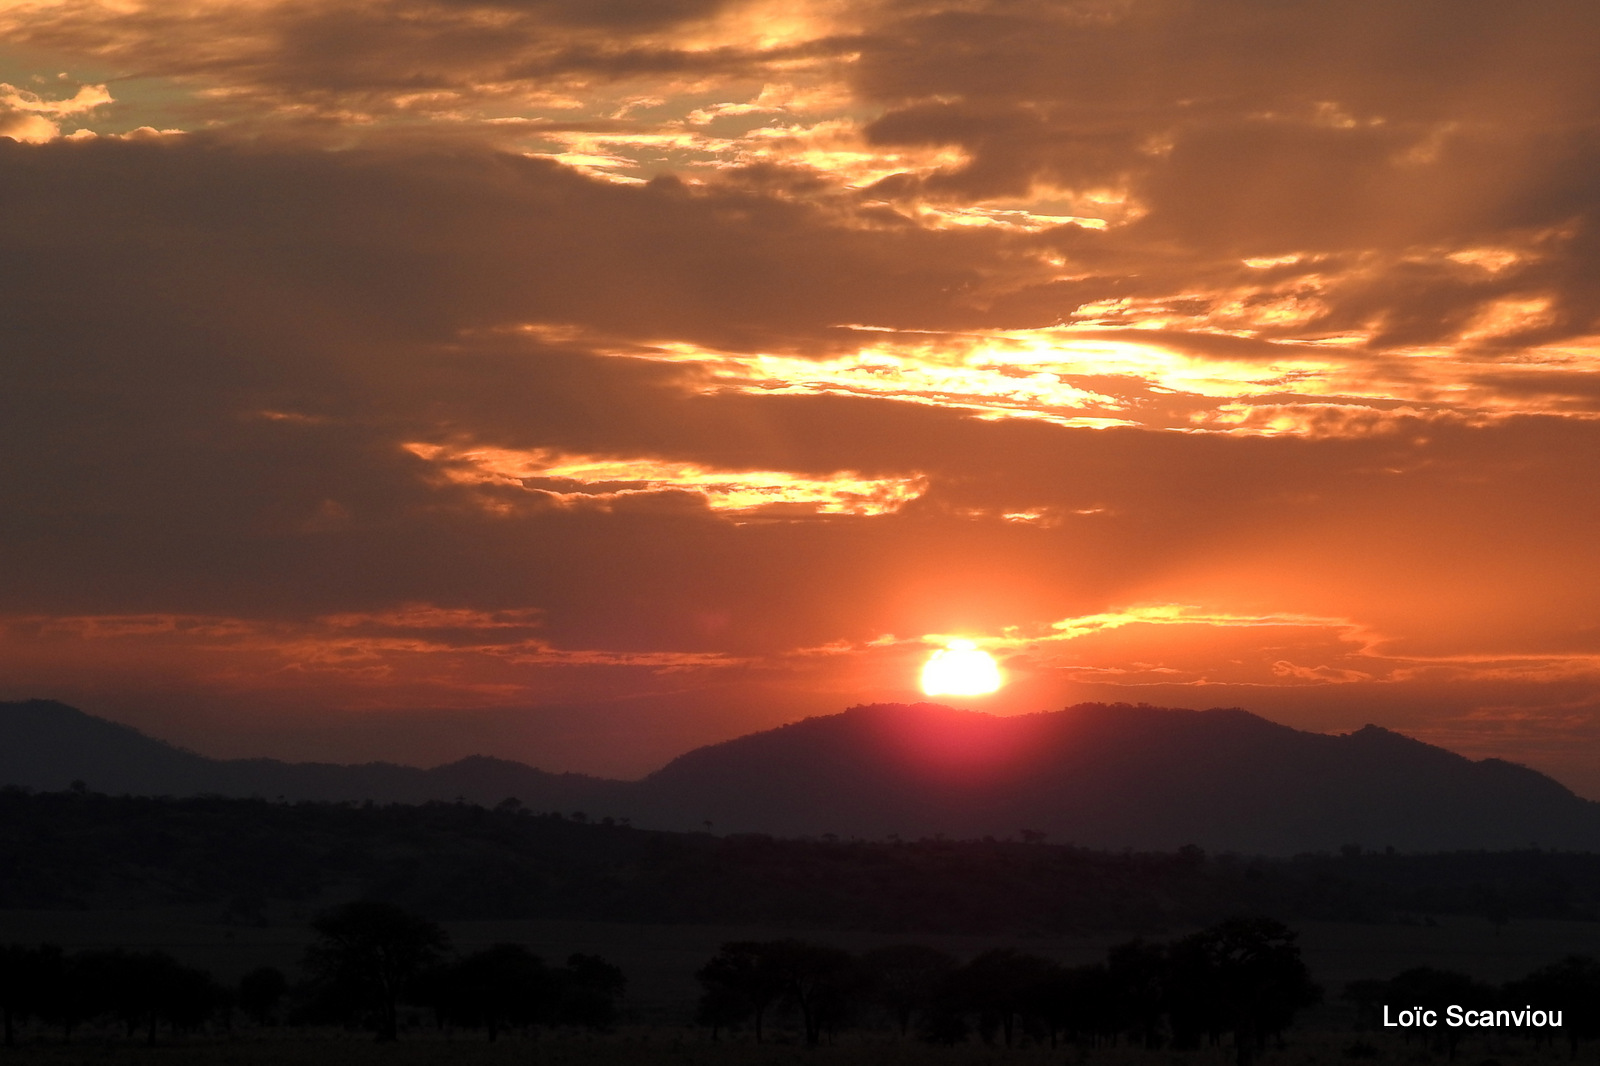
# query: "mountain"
1116,776
1097,775
47,745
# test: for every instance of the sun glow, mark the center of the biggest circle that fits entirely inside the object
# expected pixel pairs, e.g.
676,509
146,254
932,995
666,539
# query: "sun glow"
960,669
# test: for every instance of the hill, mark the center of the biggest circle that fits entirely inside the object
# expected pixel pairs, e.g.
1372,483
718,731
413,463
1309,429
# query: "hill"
1096,775
47,745
1117,776
254,862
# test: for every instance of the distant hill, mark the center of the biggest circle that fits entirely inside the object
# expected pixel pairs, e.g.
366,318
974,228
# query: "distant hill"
1117,776
253,862
1112,776
47,745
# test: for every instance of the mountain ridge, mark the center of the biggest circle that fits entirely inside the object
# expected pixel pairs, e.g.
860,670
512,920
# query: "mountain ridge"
1097,775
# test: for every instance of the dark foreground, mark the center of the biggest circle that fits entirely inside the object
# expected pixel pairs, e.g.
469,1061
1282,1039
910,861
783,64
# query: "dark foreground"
676,1047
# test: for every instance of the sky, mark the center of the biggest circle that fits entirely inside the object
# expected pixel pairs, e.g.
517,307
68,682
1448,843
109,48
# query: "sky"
582,381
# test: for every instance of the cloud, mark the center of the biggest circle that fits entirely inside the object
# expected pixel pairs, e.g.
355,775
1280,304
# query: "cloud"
575,481
28,117
289,61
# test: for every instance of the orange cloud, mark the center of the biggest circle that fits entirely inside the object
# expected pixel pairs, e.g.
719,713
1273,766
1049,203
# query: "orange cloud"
590,480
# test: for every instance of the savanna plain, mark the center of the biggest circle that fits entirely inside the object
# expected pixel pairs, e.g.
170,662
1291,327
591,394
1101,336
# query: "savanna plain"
657,1016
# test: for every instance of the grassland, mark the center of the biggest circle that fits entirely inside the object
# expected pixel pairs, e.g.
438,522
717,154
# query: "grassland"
660,960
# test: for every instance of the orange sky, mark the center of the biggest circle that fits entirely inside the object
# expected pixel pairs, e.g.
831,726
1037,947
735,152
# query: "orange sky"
580,381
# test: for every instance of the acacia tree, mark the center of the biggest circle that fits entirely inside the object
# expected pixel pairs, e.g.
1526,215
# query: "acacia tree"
820,980
1077,1002
1136,980
372,950
260,992
905,977
140,988
588,991
1243,976
745,978
1000,986
498,987
740,981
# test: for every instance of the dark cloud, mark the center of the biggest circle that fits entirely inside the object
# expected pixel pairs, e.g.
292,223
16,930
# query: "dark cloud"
1425,61
429,244
293,62
1012,148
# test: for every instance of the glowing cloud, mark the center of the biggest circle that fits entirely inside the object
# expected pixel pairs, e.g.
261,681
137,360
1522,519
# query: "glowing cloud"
573,480
29,117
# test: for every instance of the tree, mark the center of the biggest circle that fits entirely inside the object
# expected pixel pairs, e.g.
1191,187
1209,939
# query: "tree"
589,989
1136,973
999,986
140,988
1244,976
260,992
1369,997
189,997
905,977
740,982
722,1006
1571,986
822,981
498,987
69,991
745,978
1080,1002
372,950
24,973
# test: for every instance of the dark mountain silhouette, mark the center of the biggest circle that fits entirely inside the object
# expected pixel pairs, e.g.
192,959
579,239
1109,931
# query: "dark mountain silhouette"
47,745
1117,776
1096,775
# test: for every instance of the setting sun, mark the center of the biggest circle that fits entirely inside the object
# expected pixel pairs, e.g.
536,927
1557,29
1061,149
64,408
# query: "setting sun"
960,669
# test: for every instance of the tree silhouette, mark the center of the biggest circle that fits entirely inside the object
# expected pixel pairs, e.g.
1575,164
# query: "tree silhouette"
1137,980
1369,996
1571,986
496,988
1243,976
260,992
24,974
139,988
745,978
1079,1002
588,991
823,982
189,998
371,950
904,978
999,986
741,981
69,992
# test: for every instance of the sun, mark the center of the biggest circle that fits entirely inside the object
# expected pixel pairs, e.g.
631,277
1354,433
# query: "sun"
960,668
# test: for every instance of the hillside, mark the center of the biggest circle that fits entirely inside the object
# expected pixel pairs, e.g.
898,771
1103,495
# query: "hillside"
1115,776
253,861
47,745
1096,775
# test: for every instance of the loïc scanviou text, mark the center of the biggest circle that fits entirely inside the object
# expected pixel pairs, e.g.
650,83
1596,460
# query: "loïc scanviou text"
1457,1016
